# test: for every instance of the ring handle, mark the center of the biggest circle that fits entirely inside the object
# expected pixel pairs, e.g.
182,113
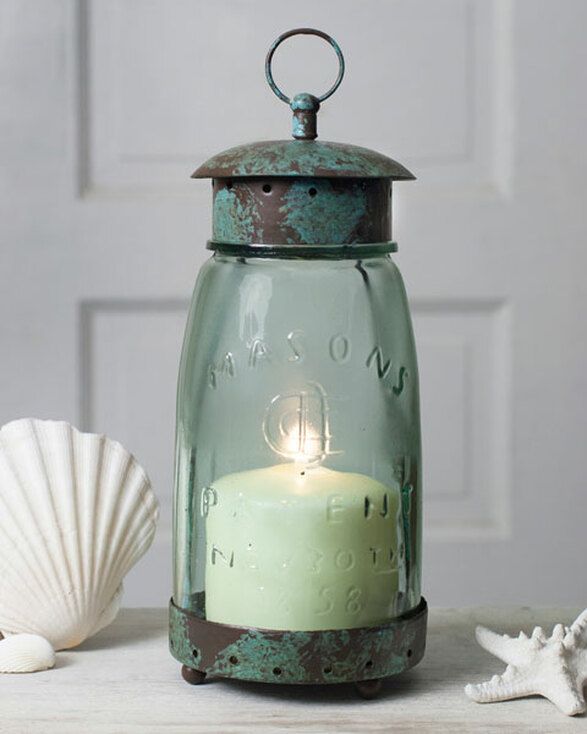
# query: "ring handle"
303,32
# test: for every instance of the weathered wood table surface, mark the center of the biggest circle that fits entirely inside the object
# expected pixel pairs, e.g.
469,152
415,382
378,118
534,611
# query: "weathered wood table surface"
124,680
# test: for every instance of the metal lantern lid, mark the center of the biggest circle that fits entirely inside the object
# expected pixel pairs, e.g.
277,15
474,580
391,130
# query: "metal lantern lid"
301,193
309,158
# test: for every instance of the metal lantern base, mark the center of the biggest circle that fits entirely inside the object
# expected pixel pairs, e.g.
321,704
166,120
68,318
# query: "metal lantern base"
362,656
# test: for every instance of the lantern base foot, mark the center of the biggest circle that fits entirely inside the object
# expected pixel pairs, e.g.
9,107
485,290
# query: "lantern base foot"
369,688
192,676
362,655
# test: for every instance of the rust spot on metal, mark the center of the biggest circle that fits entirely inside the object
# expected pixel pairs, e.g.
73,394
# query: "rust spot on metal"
325,656
308,158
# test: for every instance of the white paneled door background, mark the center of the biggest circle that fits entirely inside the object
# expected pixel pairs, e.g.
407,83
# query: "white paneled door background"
106,107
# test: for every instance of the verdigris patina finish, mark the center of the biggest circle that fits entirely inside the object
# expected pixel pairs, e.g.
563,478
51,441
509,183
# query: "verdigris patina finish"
330,656
300,211
291,158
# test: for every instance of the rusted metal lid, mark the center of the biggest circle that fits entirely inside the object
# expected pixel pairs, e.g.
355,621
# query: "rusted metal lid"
302,157
306,158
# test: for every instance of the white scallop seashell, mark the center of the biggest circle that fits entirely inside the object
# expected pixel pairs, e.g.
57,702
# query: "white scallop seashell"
25,654
76,513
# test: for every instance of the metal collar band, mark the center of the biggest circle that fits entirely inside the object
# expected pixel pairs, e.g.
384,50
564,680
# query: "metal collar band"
273,656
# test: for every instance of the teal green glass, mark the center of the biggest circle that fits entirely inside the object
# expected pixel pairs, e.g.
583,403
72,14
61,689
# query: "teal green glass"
298,481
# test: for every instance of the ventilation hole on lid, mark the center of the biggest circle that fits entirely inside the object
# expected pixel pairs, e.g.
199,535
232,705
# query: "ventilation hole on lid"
196,652
312,191
409,653
267,188
369,664
233,660
328,670
276,671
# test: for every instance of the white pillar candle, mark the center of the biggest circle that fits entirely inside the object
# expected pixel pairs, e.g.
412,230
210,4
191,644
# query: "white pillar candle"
295,548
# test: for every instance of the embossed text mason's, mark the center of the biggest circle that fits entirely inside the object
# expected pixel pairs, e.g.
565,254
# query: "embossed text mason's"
298,476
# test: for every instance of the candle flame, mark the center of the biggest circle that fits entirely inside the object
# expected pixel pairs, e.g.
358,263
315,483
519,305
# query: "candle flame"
303,447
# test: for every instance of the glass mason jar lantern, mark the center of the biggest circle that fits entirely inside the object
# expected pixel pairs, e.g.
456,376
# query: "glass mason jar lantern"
298,478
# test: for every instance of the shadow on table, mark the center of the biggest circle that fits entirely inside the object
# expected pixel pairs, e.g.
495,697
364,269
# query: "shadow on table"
402,686
63,660
127,631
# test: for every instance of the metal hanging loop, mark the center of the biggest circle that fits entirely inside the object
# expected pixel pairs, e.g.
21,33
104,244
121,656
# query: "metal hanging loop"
303,32
305,106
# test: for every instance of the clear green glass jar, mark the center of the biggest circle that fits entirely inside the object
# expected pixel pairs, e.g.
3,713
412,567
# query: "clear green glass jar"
298,443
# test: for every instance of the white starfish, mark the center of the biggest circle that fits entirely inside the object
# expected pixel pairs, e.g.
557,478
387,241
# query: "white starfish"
553,667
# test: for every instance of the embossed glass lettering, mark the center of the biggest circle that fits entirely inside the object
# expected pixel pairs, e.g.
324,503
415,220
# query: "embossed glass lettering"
294,339
226,367
258,350
385,508
316,557
208,499
402,377
370,506
217,553
344,559
353,600
383,367
340,348
326,594
335,508
383,563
